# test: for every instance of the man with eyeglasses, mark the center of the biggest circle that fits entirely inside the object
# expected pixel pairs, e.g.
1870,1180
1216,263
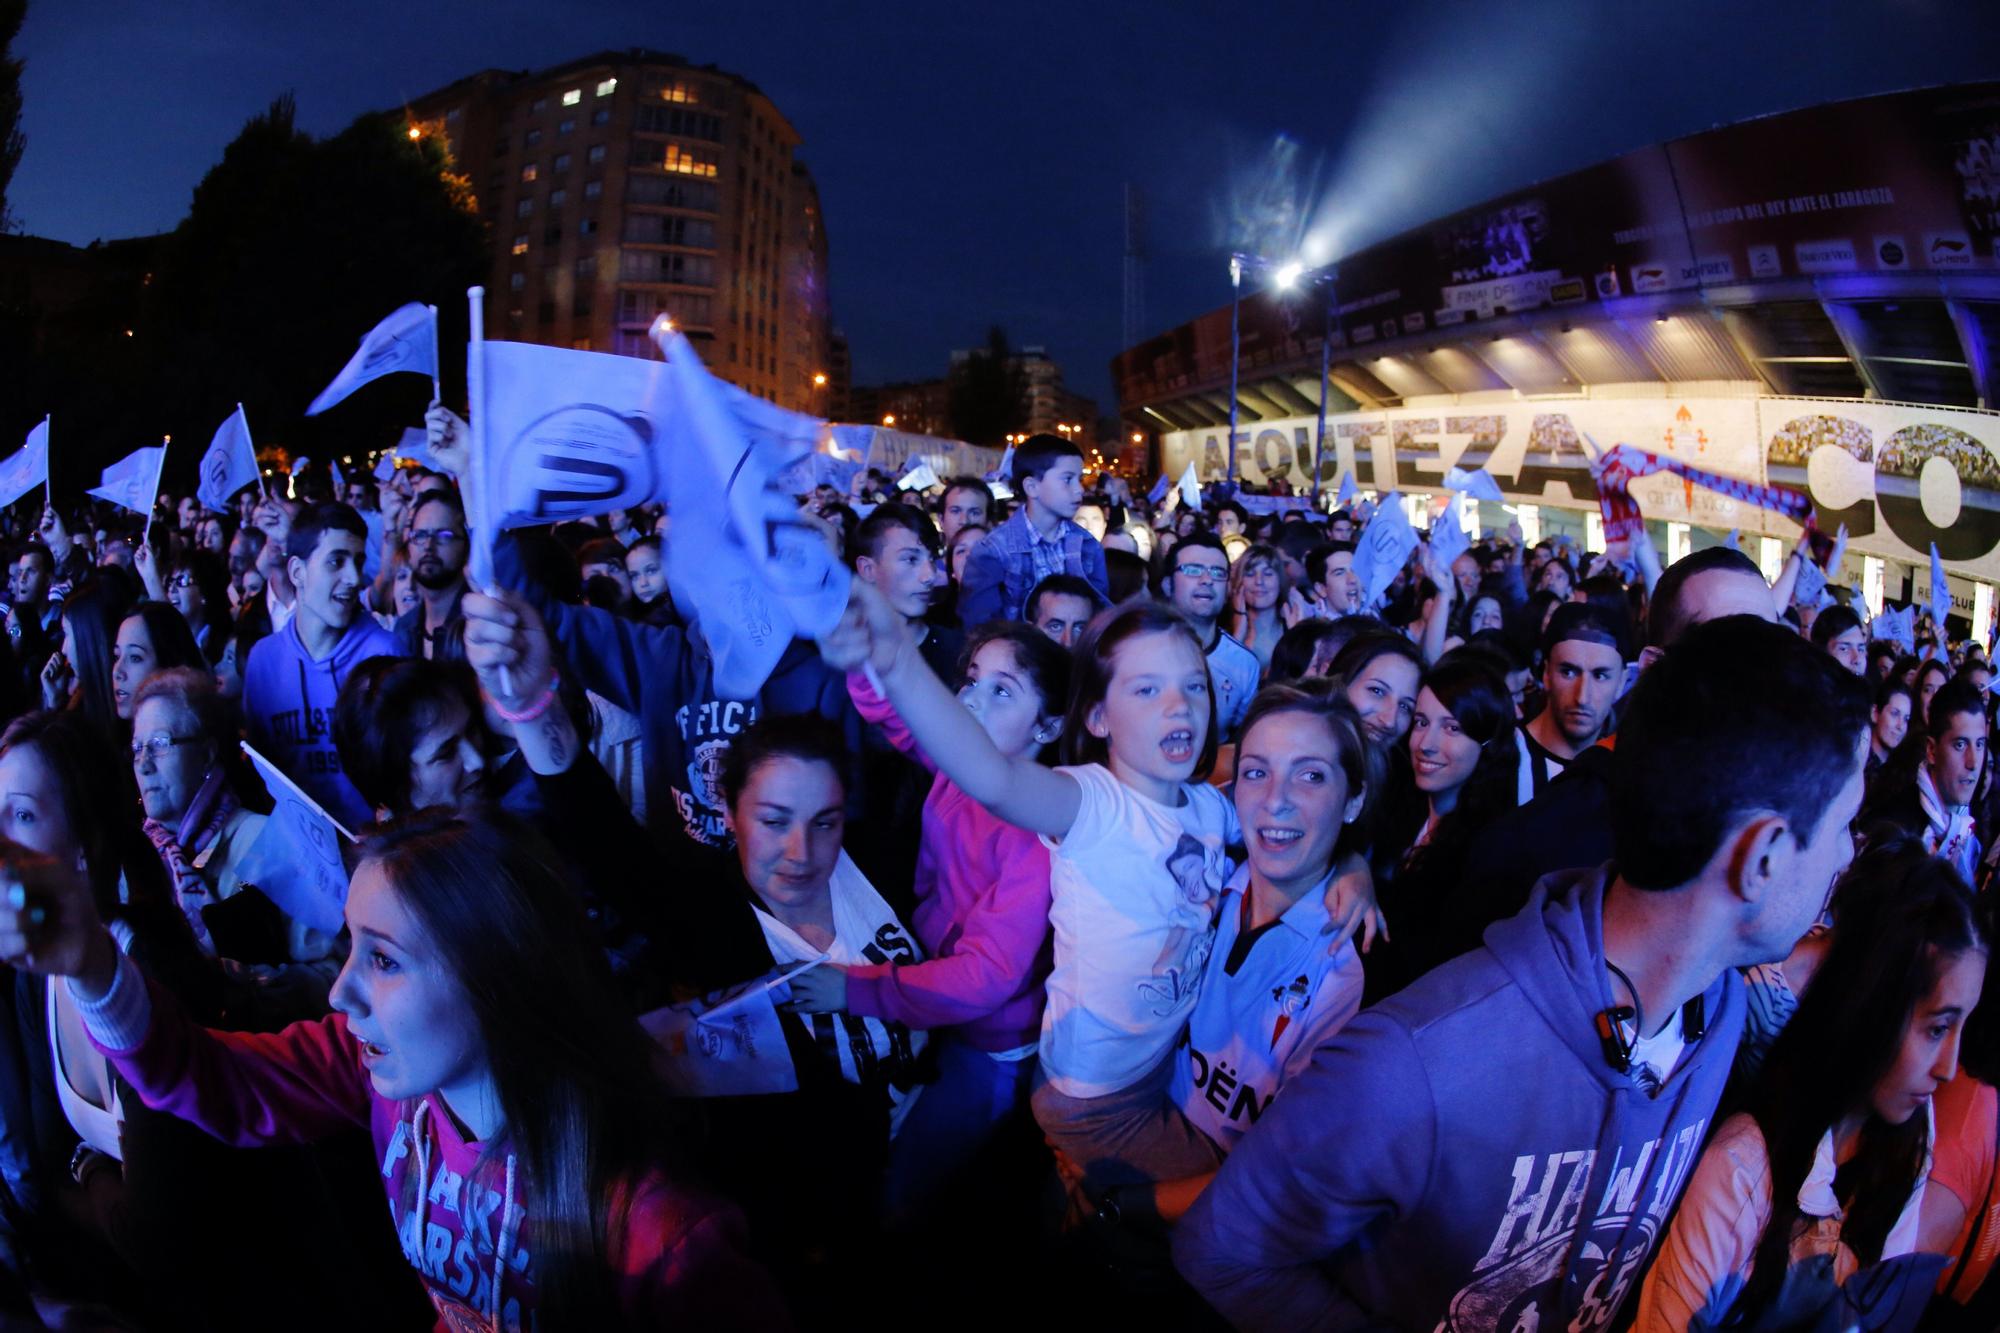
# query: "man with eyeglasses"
438,552
1197,584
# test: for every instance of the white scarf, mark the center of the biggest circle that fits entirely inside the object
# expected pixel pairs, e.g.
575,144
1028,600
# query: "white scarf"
865,930
1950,834
1817,1199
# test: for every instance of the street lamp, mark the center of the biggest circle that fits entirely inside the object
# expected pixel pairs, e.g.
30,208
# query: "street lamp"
819,379
889,419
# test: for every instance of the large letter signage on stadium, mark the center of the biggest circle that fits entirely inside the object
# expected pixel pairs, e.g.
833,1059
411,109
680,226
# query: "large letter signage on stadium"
1900,477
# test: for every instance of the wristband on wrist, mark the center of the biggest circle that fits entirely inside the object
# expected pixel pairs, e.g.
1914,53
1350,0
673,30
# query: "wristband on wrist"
532,711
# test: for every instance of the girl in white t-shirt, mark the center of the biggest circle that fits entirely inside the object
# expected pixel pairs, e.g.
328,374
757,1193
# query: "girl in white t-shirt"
1136,869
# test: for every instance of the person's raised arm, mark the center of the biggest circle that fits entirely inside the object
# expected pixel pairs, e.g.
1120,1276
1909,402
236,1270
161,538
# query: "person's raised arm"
1788,577
1018,790
1437,624
508,649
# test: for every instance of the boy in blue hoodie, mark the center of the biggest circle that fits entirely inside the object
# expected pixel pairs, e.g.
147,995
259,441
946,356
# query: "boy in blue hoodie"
1501,1145
295,675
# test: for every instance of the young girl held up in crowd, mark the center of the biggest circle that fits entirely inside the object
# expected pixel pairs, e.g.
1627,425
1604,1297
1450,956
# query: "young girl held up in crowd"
1137,866
509,1097
982,913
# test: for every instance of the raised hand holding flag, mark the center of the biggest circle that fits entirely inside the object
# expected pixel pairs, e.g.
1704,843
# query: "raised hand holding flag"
134,480
1940,591
1190,488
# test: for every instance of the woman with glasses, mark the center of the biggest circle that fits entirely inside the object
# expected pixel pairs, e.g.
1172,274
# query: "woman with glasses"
198,587
182,759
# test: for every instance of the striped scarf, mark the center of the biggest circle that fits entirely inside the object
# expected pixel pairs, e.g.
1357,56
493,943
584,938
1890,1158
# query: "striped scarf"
206,816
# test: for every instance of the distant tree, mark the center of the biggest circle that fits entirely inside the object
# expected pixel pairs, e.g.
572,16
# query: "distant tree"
989,393
12,12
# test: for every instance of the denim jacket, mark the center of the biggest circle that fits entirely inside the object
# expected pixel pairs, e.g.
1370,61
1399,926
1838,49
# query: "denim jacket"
1000,572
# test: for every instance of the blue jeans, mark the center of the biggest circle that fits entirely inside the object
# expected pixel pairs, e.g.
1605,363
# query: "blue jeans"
952,1120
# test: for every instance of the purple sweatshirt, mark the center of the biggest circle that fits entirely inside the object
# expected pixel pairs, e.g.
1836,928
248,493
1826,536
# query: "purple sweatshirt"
676,1259
982,913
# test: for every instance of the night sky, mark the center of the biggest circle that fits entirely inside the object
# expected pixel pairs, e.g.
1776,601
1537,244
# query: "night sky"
971,158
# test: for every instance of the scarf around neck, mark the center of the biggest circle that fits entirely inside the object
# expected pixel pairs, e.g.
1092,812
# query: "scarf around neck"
213,806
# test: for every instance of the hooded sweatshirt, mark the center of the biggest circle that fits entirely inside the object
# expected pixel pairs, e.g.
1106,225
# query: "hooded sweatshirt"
288,699
1462,1156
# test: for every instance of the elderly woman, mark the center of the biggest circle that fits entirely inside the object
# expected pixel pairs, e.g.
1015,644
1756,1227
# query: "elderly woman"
181,738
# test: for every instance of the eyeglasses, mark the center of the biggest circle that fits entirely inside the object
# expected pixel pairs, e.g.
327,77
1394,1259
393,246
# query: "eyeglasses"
159,744
434,536
180,583
1210,572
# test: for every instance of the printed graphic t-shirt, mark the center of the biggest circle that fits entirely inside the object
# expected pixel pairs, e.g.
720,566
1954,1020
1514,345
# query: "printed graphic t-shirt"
1134,887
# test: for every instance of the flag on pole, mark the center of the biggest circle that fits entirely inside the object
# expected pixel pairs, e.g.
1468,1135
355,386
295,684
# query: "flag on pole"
1940,591
1448,540
1346,491
1383,549
27,467
134,480
1159,491
569,434
230,463
406,340
339,482
1478,484
1190,488
296,858
1004,472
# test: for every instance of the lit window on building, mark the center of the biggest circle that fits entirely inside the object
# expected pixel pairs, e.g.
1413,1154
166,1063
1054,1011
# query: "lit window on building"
595,155
557,198
530,172
524,209
521,244
606,87
592,189
686,162
517,281
601,116
561,162
572,97
568,126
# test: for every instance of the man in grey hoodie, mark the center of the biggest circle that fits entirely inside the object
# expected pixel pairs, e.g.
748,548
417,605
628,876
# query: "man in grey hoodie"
1501,1145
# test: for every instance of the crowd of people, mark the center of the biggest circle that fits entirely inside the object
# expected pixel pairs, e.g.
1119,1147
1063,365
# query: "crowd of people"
1164,920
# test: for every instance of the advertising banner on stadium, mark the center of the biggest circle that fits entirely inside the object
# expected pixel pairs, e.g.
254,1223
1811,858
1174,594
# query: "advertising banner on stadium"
1900,477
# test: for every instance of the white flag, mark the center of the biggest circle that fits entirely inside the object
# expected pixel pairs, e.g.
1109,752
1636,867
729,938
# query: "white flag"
27,467
1448,540
1383,549
571,434
1190,488
298,853
339,482
1940,591
1478,484
406,340
919,478
1346,491
230,463
134,480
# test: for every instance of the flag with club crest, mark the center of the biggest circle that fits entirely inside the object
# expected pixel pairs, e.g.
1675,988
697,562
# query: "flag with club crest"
27,467
1899,626
567,434
1383,549
134,480
229,465
406,340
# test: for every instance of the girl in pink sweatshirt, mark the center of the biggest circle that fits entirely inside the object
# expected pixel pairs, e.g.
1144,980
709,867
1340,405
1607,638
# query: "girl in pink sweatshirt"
982,913
509,1097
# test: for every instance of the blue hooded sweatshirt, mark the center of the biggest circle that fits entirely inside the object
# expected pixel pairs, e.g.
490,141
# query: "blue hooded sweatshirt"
288,709
1461,1156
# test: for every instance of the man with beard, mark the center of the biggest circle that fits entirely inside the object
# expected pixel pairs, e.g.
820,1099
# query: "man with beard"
1197,583
1583,669
438,549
